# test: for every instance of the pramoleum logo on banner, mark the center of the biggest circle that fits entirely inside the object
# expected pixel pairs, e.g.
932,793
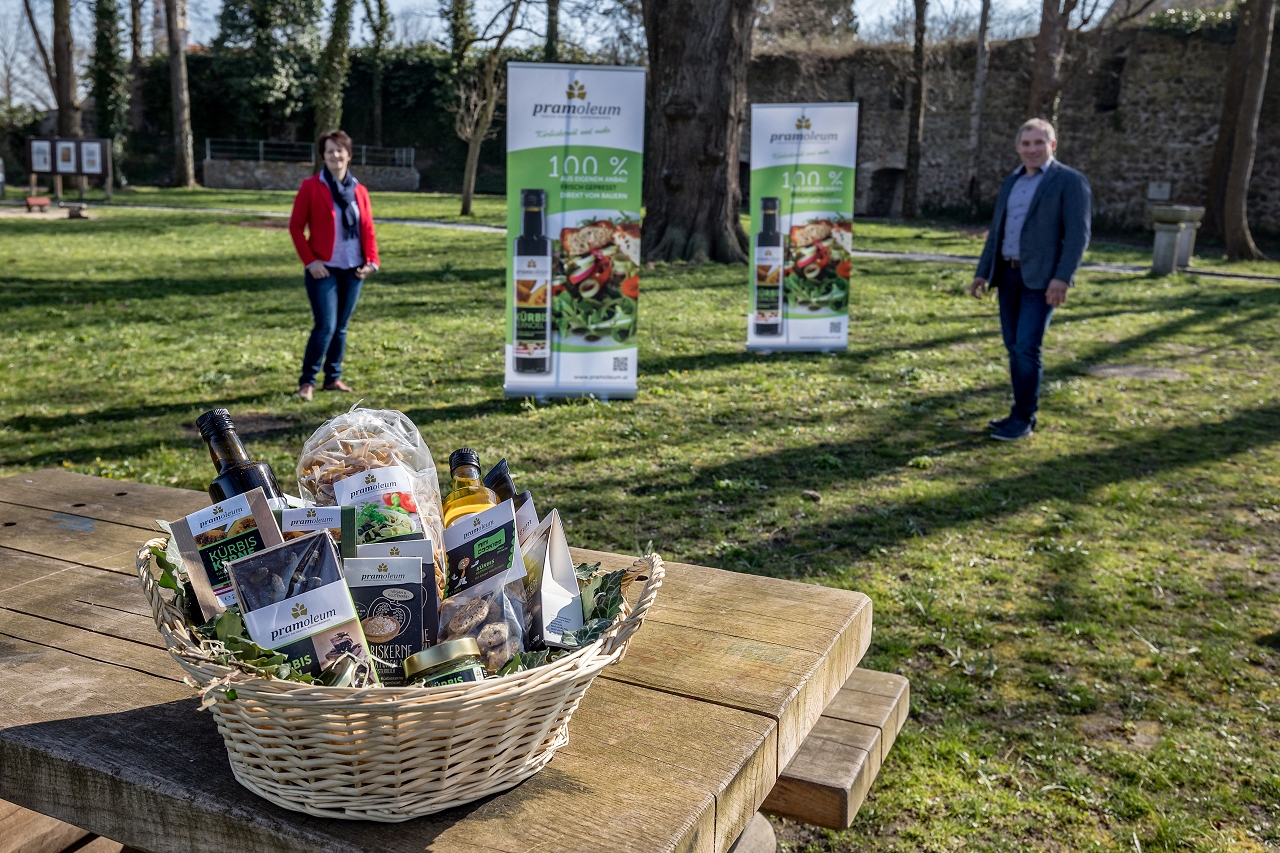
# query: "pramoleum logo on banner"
575,148
803,162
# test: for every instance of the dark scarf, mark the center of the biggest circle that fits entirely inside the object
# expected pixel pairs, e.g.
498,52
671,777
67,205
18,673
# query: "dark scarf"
344,196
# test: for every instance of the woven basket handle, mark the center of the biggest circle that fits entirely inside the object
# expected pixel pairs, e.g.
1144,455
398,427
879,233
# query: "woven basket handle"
652,565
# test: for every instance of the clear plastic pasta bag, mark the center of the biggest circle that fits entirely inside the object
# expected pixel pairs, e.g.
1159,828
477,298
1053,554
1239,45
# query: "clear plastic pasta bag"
362,440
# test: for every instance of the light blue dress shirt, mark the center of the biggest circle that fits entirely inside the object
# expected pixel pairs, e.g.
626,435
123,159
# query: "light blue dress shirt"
1015,213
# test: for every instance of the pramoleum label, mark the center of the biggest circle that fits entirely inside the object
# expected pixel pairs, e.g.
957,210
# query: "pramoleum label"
803,160
384,502
575,148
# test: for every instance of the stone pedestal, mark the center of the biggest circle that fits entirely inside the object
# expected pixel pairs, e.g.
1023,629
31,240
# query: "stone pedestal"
1185,221
758,837
1165,256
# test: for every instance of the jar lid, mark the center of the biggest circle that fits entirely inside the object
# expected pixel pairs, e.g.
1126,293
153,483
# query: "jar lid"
436,655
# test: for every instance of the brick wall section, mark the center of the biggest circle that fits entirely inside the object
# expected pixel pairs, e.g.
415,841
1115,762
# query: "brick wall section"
1158,124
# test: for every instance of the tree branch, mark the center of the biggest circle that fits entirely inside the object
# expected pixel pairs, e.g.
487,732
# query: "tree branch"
44,54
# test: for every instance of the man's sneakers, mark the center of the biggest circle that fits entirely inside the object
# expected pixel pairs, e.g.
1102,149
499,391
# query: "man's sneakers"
1013,429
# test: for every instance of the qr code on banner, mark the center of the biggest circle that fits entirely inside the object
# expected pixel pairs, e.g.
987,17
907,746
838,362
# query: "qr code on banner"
620,362
835,327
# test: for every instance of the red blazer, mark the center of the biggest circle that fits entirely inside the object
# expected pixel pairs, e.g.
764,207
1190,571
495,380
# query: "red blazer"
313,211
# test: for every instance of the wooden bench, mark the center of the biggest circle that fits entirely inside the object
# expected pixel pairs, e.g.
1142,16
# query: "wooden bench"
827,780
39,201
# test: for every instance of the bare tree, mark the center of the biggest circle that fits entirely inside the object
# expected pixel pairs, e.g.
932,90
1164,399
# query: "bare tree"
184,167
39,40
1255,33
378,16
64,71
1224,145
915,118
697,95
135,65
479,92
551,51
334,65
975,108
1061,22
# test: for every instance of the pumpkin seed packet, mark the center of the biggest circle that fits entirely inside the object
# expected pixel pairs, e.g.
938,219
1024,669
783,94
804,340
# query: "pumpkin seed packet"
213,537
388,594
340,521
295,601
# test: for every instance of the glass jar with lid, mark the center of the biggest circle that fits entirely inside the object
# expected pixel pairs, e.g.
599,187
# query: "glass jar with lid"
454,662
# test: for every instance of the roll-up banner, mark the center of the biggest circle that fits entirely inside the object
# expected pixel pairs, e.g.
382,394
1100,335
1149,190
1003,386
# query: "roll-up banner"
575,146
803,158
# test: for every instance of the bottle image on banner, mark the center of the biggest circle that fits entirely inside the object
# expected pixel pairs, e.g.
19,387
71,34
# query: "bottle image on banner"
532,271
769,258
803,165
575,138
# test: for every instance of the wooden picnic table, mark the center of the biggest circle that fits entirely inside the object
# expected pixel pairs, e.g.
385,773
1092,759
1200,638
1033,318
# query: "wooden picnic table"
673,749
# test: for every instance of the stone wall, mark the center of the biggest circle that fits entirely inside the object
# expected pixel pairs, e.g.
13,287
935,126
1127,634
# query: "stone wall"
268,175
1143,107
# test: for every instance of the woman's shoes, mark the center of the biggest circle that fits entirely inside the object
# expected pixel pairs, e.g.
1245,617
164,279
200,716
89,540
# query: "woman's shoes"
306,391
338,385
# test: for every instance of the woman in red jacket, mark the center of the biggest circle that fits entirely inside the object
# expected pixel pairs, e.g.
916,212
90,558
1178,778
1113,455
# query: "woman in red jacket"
332,229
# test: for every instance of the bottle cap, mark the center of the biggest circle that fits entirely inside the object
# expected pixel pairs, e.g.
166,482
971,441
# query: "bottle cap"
769,204
463,456
499,480
533,199
442,653
213,422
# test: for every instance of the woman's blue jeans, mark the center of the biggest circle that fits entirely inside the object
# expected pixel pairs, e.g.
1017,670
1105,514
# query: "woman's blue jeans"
1024,318
333,299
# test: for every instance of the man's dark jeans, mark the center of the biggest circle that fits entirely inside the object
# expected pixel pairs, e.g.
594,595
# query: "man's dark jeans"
1024,318
332,301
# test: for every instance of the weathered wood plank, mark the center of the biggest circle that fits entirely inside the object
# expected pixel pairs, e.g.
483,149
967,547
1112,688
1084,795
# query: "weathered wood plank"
109,603
126,654
655,769
718,636
829,777
119,501
880,699
827,781
69,537
25,831
19,567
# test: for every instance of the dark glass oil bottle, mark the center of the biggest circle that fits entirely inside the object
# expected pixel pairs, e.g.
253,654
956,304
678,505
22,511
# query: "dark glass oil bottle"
237,473
769,263
504,487
532,273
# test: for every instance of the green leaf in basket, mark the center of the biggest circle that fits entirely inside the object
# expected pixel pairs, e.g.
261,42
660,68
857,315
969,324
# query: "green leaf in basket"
168,575
231,694
606,597
229,624
584,571
522,661
587,634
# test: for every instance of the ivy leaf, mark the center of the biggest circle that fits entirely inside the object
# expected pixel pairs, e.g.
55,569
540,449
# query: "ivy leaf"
606,602
587,634
168,577
584,571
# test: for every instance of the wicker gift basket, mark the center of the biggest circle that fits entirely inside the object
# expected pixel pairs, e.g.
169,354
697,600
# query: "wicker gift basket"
390,753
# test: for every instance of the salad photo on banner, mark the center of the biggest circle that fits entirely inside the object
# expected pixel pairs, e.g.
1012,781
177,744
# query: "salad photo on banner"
575,147
803,162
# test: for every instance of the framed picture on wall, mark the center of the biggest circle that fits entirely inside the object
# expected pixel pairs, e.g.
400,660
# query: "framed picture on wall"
41,155
66,157
91,157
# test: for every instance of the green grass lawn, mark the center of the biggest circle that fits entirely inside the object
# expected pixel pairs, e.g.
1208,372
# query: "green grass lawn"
487,209
1090,619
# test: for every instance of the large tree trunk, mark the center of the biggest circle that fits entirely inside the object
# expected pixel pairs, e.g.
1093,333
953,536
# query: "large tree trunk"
1046,64
1233,88
64,71
915,118
551,51
184,167
1257,36
333,70
697,94
135,66
975,110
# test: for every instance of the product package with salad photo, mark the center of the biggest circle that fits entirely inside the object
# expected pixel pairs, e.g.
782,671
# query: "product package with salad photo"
803,166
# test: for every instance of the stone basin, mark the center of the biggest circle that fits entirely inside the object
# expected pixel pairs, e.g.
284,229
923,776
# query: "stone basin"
1175,213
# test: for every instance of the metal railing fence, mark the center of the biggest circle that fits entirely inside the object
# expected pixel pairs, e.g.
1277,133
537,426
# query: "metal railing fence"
264,150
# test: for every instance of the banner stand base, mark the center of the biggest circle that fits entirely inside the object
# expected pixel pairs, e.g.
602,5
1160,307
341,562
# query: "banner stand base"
603,397
784,349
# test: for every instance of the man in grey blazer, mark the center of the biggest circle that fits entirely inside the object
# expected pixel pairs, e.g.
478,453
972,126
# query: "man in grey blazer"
1038,236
